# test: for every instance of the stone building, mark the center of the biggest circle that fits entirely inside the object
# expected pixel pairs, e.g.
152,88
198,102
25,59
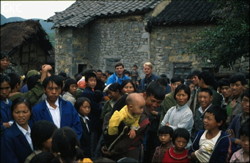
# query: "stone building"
27,44
97,34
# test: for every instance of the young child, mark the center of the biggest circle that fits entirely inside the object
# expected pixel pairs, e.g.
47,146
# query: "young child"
165,134
178,153
242,155
82,106
129,115
213,144
180,116
70,88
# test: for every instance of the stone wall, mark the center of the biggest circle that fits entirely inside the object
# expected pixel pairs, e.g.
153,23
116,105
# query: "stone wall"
169,45
118,39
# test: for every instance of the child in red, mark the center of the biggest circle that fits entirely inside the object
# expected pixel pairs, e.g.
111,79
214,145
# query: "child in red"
178,153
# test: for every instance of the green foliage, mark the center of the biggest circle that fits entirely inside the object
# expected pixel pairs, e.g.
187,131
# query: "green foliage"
229,39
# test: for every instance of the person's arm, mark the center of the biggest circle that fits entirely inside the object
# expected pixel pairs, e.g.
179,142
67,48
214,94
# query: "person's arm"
114,122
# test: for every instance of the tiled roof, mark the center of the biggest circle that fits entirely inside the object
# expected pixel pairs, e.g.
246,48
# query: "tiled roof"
82,12
185,12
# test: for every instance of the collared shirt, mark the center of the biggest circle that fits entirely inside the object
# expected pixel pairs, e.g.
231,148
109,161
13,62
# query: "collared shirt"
201,111
85,119
238,156
55,113
26,134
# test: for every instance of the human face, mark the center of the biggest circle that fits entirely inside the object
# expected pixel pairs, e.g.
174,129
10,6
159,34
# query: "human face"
210,122
128,88
237,88
180,144
4,90
195,80
152,102
5,62
164,138
147,70
47,145
91,82
114,94
85,108
181,97
226,91
98,75
137,107
245,104
175,85
52,91
73,88
119,70
245,143
21,114
204,99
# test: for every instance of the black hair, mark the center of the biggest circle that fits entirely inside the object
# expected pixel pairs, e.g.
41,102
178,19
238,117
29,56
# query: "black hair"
126,72
115,87
183,87
208,78
181,132
177,79
220,114
163,81
135,66
55,79
63,75
238,77
189,82
44,157
208,90
125,82
89,75
166,130
245,93
40,132
119,64
223,82
14,79
4,78
244,129
20,100
80,101
67,84
66,144
156,90
195,73
32,81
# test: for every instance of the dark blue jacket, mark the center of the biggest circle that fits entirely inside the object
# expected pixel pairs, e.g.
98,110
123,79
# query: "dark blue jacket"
69,115
15,148
222,149
145,82
5,111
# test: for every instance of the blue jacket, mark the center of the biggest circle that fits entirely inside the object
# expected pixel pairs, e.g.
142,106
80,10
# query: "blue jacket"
69,115
5,111
15,148
222,149
115,79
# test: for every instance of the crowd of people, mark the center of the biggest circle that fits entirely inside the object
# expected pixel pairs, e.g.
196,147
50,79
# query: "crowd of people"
120,117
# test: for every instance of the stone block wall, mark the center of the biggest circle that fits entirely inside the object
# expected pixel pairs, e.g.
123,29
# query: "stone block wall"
169,45
118,39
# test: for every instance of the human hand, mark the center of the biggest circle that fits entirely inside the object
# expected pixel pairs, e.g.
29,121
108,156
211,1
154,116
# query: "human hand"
132,134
